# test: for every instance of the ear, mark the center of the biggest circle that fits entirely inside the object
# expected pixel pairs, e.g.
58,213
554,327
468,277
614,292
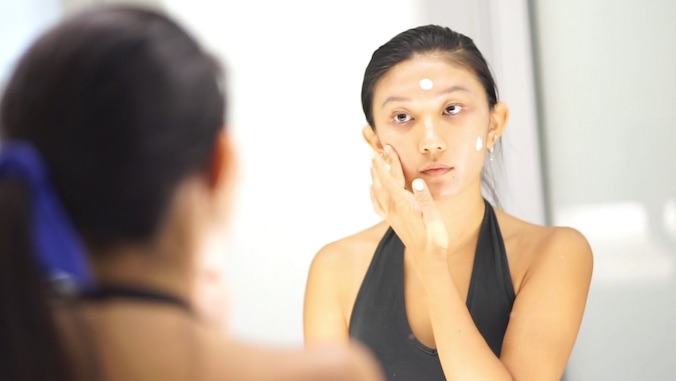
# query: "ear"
371,138
499,118
221,166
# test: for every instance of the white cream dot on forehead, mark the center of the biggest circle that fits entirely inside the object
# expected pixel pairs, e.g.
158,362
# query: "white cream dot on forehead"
479,143
426,84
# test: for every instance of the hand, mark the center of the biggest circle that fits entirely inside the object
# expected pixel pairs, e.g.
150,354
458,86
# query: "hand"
413,216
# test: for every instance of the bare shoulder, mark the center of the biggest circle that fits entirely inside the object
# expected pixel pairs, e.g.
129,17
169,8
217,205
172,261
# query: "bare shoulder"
532,247
336,274
351,252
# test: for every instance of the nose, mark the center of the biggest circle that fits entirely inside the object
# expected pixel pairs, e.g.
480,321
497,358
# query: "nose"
431,142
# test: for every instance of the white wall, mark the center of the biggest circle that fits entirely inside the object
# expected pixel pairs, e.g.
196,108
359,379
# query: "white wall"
20,23
608,80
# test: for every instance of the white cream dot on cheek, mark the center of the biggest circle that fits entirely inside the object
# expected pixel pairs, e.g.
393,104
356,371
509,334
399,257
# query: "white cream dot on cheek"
426,84
479,143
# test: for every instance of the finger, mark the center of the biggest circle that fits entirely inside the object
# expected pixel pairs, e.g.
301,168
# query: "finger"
376,204
436,229
389,200
386,179
396,171
378,196
375,179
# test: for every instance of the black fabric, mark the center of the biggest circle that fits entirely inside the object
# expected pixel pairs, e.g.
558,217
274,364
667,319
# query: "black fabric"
107,292
379,315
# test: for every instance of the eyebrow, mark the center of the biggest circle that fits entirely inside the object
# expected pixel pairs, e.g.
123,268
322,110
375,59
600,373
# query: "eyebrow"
449,90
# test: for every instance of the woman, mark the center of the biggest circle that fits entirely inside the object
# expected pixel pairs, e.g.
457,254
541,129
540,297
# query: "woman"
115,171
446,286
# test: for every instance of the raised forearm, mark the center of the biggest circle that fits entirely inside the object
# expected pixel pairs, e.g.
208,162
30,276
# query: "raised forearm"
463,352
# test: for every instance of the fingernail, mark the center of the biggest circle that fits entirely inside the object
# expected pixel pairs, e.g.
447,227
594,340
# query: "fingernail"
418,185
388,149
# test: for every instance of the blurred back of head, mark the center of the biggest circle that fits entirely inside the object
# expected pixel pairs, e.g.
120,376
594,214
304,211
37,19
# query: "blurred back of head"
122,105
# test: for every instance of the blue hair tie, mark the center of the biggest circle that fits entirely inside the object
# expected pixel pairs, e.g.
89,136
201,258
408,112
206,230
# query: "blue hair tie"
56,244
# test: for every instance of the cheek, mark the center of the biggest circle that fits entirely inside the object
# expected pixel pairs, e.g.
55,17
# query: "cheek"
407,154
462,152
466,144
469,159
406,151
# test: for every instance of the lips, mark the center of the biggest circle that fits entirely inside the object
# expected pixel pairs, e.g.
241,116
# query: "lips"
436,170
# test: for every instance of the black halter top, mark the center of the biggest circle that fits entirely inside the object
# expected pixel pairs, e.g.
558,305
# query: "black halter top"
379,315
108,292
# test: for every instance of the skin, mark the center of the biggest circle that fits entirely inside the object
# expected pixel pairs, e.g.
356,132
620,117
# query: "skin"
551,267
137,340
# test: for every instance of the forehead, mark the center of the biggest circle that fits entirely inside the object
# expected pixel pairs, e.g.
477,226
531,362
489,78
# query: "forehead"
404,78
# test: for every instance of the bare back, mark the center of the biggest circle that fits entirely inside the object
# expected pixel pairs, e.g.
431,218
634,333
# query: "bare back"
135,341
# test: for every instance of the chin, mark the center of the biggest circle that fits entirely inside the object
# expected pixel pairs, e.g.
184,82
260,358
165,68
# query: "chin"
444,192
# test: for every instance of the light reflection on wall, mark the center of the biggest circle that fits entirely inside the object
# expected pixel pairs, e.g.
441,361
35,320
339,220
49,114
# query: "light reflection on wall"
625,248
607,88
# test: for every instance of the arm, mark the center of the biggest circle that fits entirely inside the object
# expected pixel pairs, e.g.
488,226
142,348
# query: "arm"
548,311
241,361
544,323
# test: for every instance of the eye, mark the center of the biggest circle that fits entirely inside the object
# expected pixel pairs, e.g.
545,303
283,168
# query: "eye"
452,109
402,118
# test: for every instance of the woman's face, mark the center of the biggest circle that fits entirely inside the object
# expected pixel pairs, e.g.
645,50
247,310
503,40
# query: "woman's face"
436,117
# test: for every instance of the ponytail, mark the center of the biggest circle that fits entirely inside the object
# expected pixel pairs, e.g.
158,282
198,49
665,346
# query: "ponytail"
30,347
37,244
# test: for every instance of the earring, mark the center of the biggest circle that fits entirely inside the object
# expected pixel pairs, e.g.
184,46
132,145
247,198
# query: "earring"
491,148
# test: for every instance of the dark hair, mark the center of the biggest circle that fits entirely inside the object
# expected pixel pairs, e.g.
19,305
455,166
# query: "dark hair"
422,40
431,39
122,104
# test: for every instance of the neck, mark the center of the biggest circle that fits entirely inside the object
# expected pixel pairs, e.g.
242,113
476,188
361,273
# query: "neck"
462,213
154,267
168,263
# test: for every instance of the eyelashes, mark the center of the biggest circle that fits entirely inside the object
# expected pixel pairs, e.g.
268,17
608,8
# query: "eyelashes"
453,109
402,117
